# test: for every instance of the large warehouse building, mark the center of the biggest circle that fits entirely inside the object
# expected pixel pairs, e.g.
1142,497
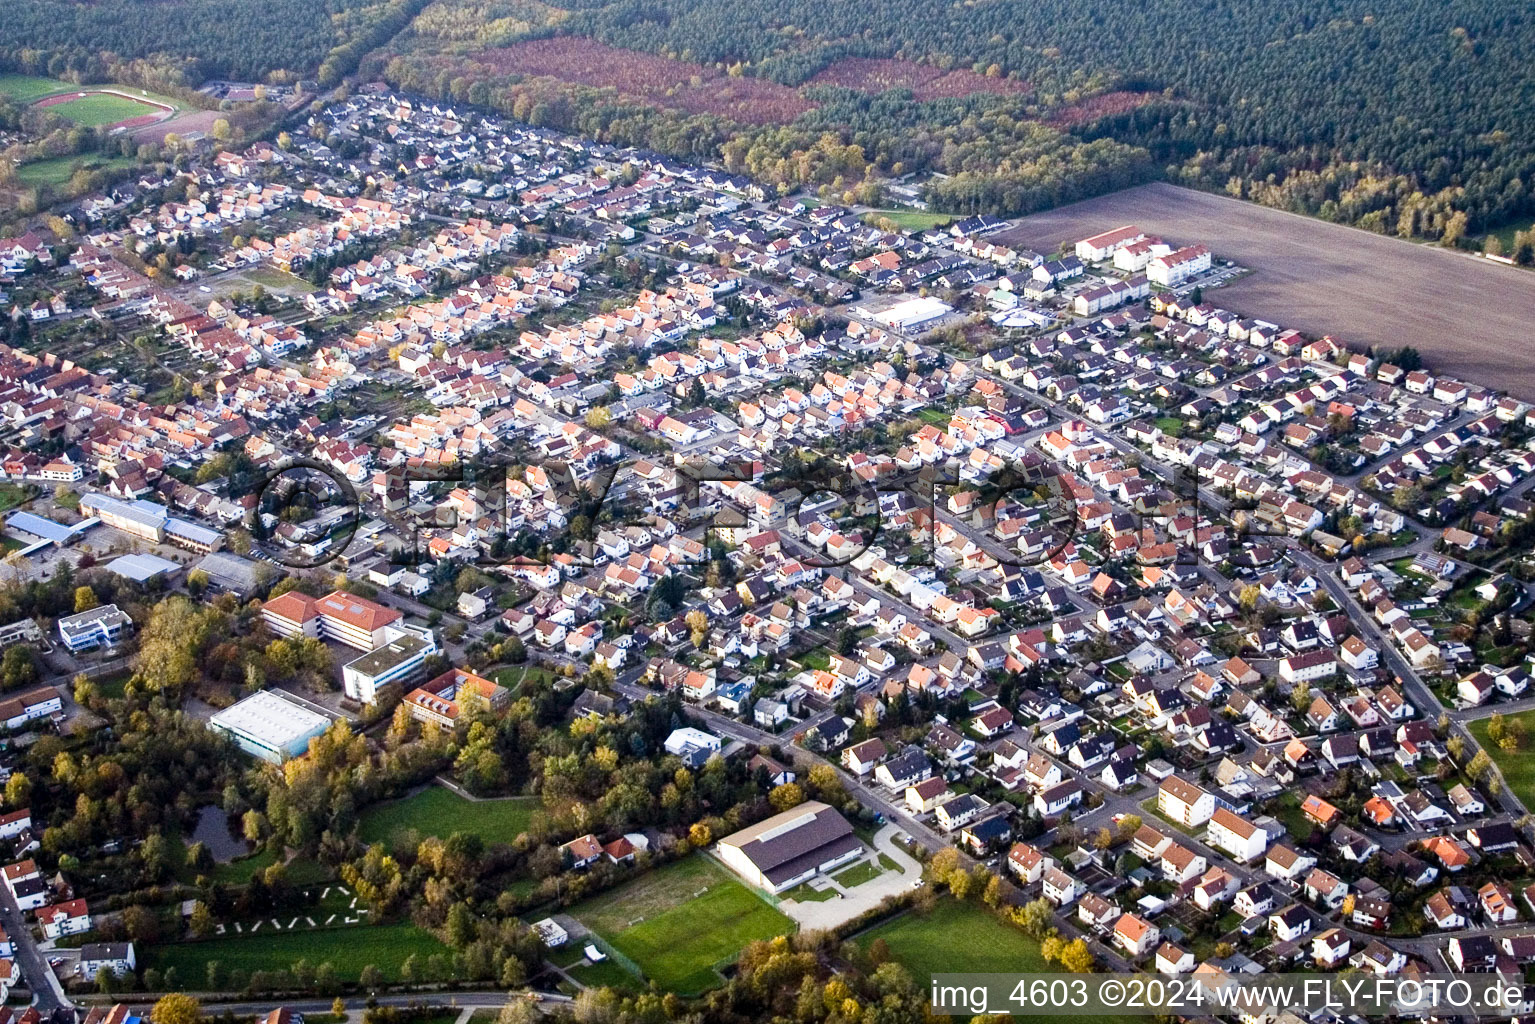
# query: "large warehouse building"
788,848
270,727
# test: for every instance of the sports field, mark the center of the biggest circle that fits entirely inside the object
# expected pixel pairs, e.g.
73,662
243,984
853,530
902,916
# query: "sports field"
681,921
436,811
94,109
1322,278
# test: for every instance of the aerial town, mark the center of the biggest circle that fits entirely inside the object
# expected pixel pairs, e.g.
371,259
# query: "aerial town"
447,558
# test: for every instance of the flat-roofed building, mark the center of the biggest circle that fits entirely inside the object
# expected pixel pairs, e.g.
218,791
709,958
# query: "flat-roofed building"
400,660
270,727
103,626
786,849
46,529
141,568
150,521
231,573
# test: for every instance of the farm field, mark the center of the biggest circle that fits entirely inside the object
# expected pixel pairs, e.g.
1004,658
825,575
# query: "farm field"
1517,766
436,811
349,950
675,934
1326,278
660,80
59,169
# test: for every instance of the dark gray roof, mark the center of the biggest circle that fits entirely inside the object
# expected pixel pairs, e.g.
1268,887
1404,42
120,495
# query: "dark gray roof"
798,840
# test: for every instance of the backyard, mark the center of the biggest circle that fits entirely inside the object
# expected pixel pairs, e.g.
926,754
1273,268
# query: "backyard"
436,811
679,922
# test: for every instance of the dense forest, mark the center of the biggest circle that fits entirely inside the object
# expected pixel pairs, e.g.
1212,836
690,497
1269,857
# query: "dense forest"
1403,116
240,39
1394,114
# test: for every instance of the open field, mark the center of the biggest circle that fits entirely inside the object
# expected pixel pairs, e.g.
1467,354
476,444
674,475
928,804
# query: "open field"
59,169
26,88
956,937
679,921
274,280
1517,766
677,84
440,812
912,220
962,938
1326,278
349,950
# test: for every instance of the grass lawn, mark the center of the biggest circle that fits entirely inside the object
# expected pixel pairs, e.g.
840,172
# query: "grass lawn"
1505,234
957,937
114,686
58,170
817,659
677,923
349,950
937,417
514,676
238,872
1172,426
101,108
859,873
1517,766
805,893
11,496
963,938
276,280
436,811
26,88
913,220
606,974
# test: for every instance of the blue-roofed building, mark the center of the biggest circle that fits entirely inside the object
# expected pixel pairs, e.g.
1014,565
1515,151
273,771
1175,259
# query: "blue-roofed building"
150,521
734,697
46,529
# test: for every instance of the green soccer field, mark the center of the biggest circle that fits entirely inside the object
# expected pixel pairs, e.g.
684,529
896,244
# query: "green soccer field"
678,922
97,109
